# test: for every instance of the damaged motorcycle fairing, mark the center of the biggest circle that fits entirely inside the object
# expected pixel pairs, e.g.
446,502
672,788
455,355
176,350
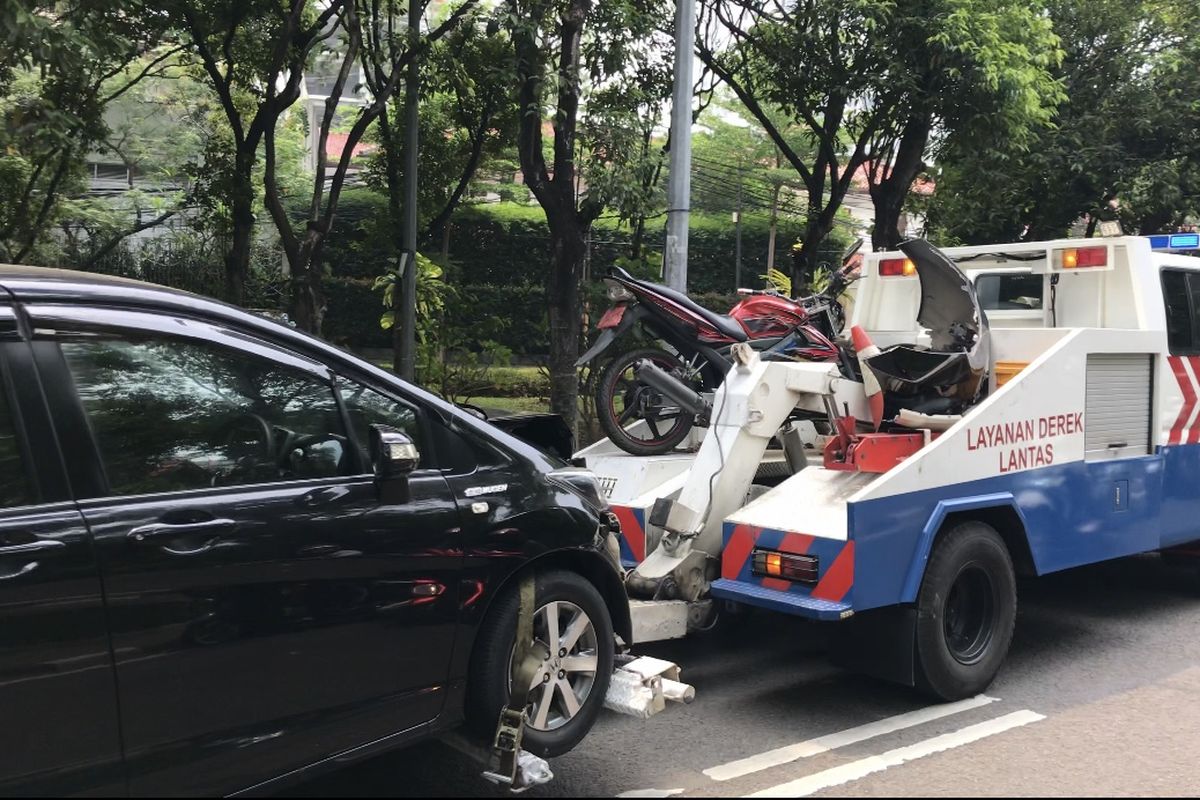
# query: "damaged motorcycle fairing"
956,369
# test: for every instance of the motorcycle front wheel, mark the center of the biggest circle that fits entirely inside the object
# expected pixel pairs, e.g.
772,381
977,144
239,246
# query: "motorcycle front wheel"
637,418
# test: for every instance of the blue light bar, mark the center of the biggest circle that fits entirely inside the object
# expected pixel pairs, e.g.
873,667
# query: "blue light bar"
1175,241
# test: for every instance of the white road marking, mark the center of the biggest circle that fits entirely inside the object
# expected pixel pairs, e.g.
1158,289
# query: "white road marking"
651,793
855,770
812,747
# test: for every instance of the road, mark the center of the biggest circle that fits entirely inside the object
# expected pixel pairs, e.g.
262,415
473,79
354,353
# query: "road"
1100,695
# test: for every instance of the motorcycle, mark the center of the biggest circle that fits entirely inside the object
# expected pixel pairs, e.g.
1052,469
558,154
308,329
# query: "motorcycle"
634,392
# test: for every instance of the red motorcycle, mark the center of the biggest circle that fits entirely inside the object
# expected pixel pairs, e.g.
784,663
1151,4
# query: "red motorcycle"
631,406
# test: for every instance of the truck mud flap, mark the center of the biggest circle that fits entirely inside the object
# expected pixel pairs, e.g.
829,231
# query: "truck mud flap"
880,643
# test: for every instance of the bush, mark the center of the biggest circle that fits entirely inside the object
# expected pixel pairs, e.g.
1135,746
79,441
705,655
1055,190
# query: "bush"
512,316
509,243
352,314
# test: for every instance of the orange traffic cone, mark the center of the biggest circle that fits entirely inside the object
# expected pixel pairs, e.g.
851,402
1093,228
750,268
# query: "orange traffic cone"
864,349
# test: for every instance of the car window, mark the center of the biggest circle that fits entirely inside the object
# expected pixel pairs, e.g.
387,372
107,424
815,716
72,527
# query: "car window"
367,407
172,414
14,482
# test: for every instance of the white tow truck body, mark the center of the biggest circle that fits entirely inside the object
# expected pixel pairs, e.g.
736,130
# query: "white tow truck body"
1086,447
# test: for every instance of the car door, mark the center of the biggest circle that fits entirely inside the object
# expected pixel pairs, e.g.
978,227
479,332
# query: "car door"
268,610
59,732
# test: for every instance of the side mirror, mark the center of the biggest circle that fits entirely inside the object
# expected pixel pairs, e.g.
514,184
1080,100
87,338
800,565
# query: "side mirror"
393,454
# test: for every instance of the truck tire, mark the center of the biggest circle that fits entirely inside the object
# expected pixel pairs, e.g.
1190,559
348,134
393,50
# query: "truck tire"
556,723
966,610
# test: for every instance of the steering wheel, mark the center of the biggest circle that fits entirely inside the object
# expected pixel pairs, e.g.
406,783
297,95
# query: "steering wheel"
263,436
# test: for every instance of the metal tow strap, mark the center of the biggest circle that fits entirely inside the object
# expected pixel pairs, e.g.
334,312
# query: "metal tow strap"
507,744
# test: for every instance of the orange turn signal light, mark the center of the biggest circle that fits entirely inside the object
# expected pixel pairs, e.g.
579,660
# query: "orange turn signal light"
1077,257
897,267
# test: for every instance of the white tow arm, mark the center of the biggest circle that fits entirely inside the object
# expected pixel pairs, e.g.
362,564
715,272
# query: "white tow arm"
749,408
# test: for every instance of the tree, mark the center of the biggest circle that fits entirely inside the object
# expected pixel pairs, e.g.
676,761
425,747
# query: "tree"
1127,129
61,67
465,113
369,26
471,111
870,81
819,62
978,70
561,47
253,53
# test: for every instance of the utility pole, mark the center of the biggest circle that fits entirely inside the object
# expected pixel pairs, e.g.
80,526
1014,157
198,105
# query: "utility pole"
679,183
737,219
774,219
408,259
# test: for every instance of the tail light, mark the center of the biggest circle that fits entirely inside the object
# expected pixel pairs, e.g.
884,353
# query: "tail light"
897,267
789,566
1082,257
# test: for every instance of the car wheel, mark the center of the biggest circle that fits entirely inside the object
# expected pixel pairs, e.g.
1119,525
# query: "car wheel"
966,610
573,632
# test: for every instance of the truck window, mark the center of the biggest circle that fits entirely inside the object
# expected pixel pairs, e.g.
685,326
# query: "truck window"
1009,292
1181,291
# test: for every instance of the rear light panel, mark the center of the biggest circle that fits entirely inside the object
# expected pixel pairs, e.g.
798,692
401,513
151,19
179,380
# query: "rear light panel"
1081,257
788,566
897,268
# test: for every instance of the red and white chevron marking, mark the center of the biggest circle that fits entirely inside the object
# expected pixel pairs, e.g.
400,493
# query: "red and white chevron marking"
1186,429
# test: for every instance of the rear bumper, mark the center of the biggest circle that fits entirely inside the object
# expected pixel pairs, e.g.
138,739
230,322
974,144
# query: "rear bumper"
788,602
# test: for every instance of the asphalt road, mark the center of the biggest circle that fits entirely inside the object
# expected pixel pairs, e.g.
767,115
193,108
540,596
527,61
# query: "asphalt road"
1100,696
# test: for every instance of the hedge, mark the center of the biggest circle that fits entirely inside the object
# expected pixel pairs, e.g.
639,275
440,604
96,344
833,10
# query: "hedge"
507,243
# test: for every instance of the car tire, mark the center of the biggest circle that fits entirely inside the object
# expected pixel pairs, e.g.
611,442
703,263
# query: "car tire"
966,610
558,729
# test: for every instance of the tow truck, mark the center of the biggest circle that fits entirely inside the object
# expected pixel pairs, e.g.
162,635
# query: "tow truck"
1065,430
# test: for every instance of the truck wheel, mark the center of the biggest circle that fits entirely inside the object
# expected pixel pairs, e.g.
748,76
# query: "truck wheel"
966,610
574,630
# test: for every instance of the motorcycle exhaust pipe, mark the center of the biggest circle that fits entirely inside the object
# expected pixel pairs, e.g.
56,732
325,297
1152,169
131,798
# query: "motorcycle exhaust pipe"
671,387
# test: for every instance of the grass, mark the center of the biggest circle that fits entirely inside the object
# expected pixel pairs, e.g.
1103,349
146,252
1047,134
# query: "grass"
512,403
501,374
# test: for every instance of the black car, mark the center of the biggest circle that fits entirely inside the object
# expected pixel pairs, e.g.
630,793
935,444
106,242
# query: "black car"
208,582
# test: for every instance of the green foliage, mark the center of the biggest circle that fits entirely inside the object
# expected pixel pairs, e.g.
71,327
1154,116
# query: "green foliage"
1127,132
869,82
432,294
60,66
467,117
508,244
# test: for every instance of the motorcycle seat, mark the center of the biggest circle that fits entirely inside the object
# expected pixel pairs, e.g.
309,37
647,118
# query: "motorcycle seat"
726,325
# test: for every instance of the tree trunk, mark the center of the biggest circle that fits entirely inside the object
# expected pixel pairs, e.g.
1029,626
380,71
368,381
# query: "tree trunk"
804,266
308,301
395,184
568,250
771,230
889,194
888,199
237,260
639,233
308,298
